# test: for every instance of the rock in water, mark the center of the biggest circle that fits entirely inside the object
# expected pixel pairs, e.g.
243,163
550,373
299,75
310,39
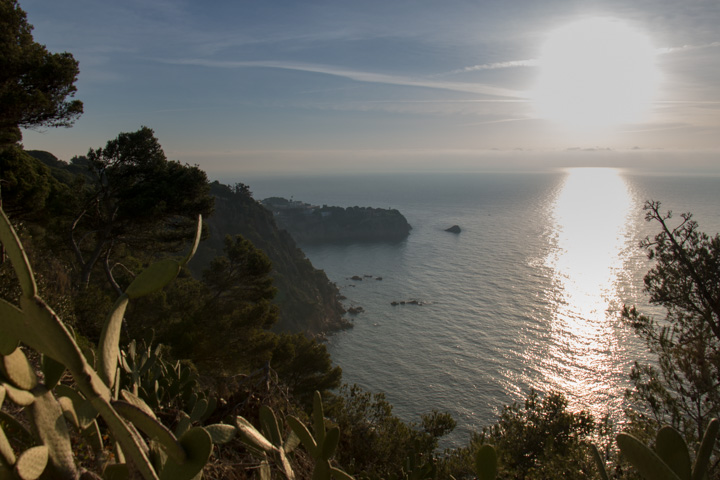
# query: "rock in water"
453,229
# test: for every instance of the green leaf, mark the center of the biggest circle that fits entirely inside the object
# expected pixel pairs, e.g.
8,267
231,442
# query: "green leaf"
291,442
153,278
672,449
702,459
486,463
138,402
7,456
32,462
331,442
318,418
18,370
8,342
599,462
285,465
252,437
82,409
50,426
53,371
198,410
14,327
53,337
322,470
270,425
151,427
645,461
22,398
221,433
264,470
196,242
209,409
183,424
69,410
93,436
197,445
18,258
304,434
109,345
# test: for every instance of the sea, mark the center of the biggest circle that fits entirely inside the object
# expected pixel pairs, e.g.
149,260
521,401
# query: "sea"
527,296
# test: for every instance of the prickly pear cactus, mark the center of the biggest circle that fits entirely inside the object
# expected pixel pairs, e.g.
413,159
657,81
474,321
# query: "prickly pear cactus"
160,383
34,324
486,463
670,460
322,445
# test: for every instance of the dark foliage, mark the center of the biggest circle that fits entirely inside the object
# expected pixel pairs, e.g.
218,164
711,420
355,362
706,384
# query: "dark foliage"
35,85
308,301
681,389
135,198
539,439
376,442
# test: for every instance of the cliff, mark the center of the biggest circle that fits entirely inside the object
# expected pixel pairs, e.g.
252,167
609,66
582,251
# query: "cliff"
309,224
307,299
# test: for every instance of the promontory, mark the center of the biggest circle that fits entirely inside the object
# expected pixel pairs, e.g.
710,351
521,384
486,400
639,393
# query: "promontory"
311,224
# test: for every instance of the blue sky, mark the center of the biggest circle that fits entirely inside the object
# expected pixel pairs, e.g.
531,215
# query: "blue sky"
264,86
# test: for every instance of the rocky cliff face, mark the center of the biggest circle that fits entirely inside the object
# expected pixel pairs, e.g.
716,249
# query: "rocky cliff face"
309,225
308,301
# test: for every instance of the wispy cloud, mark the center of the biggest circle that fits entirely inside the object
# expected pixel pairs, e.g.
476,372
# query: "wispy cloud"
358,76
533,62
685,48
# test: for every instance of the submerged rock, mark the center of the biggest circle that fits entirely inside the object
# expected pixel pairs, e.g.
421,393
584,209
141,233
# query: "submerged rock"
453,229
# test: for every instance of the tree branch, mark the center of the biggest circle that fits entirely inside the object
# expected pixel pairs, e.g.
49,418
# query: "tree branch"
705,295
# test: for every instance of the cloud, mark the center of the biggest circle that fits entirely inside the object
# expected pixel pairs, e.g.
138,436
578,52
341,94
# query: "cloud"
533,62
358,76
685,48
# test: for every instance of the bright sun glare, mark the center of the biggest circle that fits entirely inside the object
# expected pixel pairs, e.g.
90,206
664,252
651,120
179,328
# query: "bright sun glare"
595,72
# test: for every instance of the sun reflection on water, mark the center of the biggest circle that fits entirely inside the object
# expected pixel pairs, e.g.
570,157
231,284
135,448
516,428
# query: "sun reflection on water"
591,214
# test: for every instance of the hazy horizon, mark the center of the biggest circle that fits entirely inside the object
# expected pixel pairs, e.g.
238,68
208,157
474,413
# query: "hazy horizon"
375,86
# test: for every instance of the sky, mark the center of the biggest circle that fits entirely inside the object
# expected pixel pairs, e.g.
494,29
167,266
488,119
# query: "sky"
248,86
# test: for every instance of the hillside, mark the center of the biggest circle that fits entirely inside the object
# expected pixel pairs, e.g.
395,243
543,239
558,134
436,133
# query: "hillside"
308,301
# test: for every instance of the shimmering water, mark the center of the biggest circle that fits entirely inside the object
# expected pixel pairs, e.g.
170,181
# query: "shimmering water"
526,296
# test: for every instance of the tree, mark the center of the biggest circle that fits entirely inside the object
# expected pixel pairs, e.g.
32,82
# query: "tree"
682,389
305,366
539,439
135,198
222,322
376,442
26,184
36,86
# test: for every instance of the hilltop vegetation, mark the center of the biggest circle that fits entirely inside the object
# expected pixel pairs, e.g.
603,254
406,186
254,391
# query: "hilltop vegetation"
310,224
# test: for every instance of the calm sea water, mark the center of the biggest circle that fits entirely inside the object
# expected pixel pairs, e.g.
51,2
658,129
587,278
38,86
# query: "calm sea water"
526,296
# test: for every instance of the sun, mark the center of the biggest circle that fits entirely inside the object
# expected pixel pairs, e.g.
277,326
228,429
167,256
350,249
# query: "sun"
595,72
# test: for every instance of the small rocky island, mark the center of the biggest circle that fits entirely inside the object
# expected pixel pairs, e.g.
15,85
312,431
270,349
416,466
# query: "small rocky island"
311,224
